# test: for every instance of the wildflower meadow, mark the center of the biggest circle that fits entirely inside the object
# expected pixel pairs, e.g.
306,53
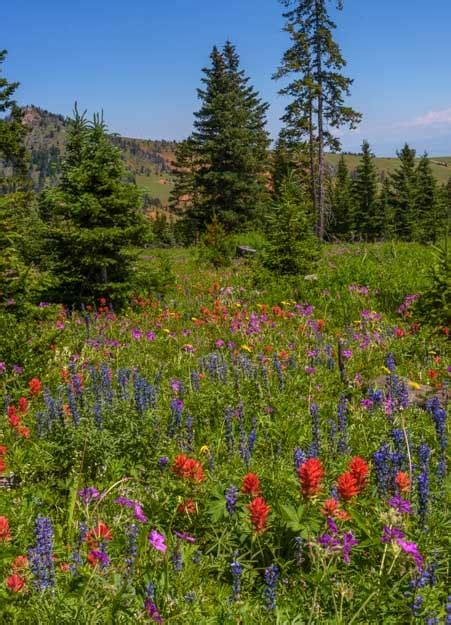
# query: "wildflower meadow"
224,453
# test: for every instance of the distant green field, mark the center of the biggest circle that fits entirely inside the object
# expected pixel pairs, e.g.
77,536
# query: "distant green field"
388,165
155,188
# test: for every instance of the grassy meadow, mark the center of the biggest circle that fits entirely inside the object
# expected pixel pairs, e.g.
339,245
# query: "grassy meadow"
235,450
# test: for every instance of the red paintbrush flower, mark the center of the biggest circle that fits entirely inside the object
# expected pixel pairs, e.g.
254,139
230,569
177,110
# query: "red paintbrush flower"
13,417
347,486
23,405
23,431
259,511
188,468
3,450
402,481
311,474
358,468
188,506
19,563
4,529
251,485
99,533
2,465
35,386
15,583
330,506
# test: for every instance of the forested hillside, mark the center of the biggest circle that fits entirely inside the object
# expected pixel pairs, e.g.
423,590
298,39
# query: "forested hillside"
149,162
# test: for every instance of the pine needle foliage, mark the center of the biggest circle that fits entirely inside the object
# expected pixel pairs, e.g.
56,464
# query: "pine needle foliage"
93,218
292,245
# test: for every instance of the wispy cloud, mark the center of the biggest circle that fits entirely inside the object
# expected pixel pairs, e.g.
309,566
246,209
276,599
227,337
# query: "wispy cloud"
434,117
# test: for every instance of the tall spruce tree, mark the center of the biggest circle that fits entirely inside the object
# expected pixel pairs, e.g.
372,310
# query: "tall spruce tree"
292,245
367,218
403,187
341,223
428,223
13,153
227,154
318,89
93,218
386,210
17,276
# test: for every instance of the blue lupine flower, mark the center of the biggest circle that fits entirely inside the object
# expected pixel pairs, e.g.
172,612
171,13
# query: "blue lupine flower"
131,531
299,458
40,556
299,548
231,497
237,571
383,468
271,579
177,560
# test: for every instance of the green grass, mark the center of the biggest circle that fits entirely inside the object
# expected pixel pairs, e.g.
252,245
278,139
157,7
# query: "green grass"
154,187
389,165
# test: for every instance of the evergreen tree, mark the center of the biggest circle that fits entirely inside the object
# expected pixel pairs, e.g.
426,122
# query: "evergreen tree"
289,159
367,219
403,187
226,156
318,90
12,137
386,211
341,223
292,245
428,222
93,218
17,276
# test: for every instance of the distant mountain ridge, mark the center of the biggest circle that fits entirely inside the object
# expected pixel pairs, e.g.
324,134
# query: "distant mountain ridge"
150,163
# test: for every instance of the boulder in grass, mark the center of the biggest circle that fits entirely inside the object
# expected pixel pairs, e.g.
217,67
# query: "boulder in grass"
418,393
243,251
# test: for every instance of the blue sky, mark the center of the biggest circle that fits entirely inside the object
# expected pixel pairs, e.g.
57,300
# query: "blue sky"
141,60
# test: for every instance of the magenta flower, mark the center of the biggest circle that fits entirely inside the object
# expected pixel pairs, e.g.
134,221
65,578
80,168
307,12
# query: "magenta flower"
157,541
137,508
412,550
391,534
136,334
152,611
151,336
98,557
185,536
348,542
401,505
88,494
139,513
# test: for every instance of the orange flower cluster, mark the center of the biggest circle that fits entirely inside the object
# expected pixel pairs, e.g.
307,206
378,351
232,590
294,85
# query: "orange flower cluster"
3,452
353,481
402,481
100,533
188,506
331,507
311,475
15,583
35,386
14,417
188,468
251,485
259,511
4,529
